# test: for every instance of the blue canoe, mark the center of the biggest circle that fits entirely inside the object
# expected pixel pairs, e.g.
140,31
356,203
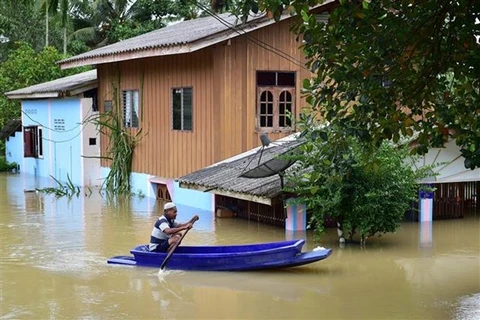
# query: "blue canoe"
273,255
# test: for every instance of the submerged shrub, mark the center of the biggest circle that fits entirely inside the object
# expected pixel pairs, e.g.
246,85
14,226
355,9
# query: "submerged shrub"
6,166
365,190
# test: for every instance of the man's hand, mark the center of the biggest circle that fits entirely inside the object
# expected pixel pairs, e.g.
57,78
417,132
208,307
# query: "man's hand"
189,226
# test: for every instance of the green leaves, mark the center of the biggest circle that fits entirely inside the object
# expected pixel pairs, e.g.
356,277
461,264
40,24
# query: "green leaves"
391,69
25,67
365,4
367,188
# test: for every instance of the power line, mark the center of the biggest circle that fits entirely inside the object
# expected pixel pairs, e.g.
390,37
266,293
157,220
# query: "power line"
86,119
63,141
256,41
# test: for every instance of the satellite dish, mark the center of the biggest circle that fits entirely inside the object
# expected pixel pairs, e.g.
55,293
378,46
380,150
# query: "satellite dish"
265,143
273,166
269,168
265,140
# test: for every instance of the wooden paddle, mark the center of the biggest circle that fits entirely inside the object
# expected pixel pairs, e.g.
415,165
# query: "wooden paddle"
170,252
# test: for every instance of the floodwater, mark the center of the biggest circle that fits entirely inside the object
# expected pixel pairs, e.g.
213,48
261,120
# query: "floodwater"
53,256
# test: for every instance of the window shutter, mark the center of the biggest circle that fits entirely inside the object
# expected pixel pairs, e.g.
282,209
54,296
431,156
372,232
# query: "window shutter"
29,142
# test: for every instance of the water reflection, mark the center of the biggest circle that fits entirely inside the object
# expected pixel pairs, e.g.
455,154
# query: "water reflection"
53,256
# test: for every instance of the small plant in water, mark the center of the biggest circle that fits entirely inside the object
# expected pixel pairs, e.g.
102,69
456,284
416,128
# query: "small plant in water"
68,189
140,194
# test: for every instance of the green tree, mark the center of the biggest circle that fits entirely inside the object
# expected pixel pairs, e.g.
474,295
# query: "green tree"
22,21
367,193
58,8
13,26
102,22
388,69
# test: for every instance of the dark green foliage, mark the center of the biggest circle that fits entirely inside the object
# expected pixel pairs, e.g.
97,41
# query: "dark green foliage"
67,189
108,21
25,67
121,145
373,57
6,166
368,193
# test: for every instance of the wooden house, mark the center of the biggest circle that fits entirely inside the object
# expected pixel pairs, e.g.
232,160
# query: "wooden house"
202,91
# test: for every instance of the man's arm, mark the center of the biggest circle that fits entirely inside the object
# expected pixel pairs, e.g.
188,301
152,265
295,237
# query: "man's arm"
190,222
179,228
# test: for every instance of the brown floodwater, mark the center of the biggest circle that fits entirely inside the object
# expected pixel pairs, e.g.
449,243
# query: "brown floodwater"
53,256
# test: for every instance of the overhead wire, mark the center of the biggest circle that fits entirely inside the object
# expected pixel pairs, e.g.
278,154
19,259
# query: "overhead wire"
253,39
86,119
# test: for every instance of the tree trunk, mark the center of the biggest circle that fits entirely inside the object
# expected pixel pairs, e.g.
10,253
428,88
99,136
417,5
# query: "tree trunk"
65,40
46,24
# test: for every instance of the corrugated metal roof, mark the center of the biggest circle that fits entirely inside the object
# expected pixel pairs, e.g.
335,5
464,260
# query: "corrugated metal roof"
55,88
178,34
226,174
181,37
11,127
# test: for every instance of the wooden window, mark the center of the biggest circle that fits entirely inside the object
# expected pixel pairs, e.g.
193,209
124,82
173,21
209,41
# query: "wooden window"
182,109
33,142
275,100
162,193
130,108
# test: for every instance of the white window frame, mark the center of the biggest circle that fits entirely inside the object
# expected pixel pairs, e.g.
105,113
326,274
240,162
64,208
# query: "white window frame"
130,108
176,90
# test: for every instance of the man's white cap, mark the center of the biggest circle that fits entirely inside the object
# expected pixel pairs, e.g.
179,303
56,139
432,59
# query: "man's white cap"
169,205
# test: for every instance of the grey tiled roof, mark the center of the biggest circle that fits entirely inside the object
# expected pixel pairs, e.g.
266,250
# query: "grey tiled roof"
177,34
226,175
59,86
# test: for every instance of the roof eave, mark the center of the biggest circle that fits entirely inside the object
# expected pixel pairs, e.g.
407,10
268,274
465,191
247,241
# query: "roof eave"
170,50
124,56
85,87
228,193
38,95
71,92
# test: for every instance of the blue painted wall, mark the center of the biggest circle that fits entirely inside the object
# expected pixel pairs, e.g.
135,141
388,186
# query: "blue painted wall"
14,149
195,200
61,146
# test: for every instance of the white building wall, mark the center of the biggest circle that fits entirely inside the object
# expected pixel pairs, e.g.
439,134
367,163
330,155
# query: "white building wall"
90,145
449,165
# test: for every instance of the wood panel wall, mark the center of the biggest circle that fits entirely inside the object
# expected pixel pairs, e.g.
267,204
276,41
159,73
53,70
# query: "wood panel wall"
272,48
223,78
165,152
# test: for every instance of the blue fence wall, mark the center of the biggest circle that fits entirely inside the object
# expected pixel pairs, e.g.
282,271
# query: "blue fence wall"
14,149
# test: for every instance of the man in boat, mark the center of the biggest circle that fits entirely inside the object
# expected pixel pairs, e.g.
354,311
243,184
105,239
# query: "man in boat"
166,232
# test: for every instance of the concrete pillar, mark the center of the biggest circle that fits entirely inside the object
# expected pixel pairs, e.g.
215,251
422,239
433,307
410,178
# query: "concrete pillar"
426,217
292,235
296,217
426,205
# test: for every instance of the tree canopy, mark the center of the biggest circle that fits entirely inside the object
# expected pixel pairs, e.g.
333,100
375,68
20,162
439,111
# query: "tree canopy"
392,69
367,192
25,67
